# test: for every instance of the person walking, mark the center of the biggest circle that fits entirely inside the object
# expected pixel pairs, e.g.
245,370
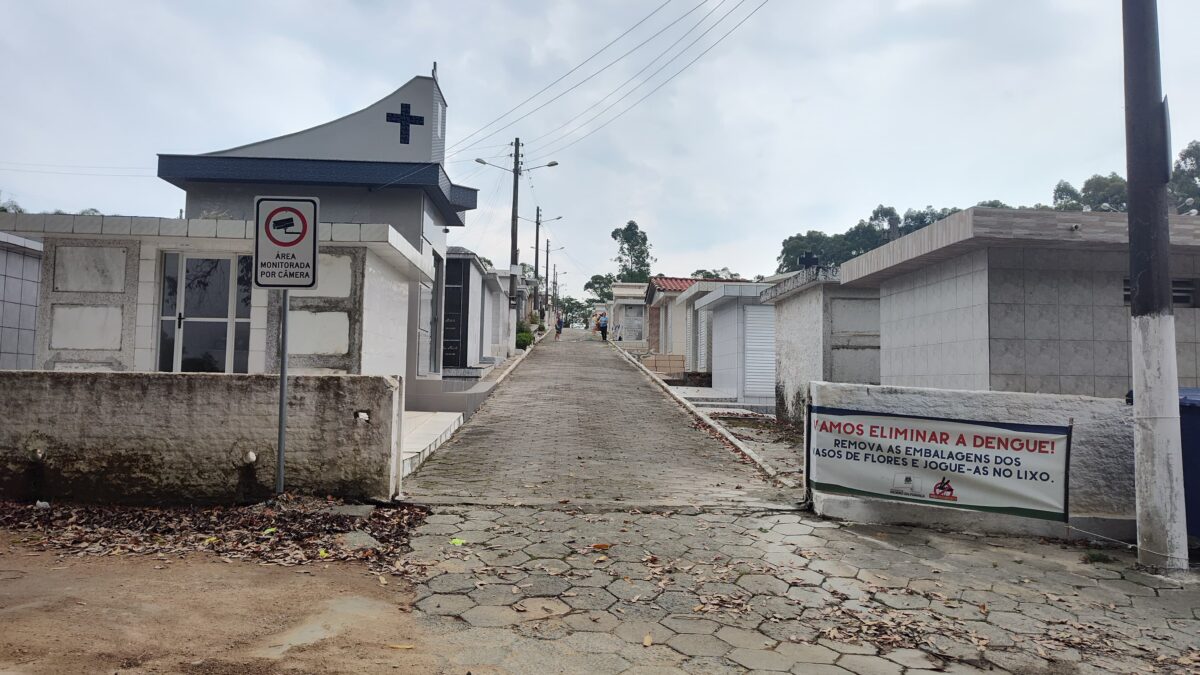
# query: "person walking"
603,322
558,326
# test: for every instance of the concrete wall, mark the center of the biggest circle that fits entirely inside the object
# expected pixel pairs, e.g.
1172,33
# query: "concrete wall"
89,305
109,437
1058,322
801,350
325,331
934,325
1101,492
472,318
401,208
20,280
384,319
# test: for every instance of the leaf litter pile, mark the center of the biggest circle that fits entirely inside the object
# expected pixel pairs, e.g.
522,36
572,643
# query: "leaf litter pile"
288,531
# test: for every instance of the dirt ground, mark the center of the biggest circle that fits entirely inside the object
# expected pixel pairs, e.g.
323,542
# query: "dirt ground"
68,614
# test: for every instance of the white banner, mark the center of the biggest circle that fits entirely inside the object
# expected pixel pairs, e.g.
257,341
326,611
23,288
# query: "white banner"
1018,469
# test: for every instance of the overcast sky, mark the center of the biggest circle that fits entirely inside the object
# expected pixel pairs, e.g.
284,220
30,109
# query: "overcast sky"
804,118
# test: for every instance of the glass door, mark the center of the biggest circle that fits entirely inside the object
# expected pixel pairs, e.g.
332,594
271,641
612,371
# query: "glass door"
204,321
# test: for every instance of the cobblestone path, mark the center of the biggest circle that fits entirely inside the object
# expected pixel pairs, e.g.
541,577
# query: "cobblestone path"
725,583
575,422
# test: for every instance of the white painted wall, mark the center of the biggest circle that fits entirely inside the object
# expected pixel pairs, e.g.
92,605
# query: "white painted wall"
88,327
1101,465
89,269
385,318
20,279
472,318
934,325
334,274
800,343
318,332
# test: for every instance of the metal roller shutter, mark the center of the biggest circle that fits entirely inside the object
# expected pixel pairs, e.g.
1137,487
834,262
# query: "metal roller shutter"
760,350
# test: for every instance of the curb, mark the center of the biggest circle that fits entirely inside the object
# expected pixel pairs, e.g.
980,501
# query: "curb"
520,358
762,464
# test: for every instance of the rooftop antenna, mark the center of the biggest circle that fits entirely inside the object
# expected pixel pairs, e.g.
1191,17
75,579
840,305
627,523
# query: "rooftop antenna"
435,71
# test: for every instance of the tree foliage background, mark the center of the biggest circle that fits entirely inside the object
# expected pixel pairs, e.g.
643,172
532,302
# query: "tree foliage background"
633,253
1097,193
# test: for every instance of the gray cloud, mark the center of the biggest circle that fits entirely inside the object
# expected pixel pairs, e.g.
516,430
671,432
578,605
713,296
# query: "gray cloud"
805,118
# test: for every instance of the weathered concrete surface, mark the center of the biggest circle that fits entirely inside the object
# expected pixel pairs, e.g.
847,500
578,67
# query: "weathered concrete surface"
161,437
1101,464
594,585
604,434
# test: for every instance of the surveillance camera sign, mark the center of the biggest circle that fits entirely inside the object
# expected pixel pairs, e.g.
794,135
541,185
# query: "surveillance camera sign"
285,242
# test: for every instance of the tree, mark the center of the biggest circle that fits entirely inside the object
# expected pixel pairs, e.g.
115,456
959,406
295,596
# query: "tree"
487,262
600,285
1185,178
1066,198
633,253
10,206
993,204
1105,193
574,310
722,273
915,219
90,212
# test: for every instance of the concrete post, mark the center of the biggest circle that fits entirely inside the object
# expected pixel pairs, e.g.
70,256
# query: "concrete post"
1158,450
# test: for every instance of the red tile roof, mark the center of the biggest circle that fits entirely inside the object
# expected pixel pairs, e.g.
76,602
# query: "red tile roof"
673,284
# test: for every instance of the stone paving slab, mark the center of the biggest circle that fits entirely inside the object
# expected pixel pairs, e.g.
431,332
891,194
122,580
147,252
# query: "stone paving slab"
629,541
693,594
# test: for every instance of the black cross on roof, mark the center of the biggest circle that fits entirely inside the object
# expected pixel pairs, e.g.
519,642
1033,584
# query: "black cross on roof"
404,119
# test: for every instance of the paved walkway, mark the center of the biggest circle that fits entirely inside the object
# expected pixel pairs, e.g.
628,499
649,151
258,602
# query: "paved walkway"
575,422
726,584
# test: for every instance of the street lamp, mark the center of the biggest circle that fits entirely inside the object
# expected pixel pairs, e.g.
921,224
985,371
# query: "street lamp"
537,235
514,252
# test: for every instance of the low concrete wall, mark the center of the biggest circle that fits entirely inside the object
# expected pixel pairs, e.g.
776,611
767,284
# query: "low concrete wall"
172,438
1101,491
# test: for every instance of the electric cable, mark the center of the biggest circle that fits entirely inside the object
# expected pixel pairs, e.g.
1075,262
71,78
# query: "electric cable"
543,89
660,86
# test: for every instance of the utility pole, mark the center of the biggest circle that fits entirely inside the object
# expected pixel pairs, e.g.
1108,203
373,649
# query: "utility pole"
1158,450
537,234
556,285
547,270
514,252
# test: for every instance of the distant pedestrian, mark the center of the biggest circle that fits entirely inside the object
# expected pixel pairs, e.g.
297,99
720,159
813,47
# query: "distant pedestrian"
558,326
603,323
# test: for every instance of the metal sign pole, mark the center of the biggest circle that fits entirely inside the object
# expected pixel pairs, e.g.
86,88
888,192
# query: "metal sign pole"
283,359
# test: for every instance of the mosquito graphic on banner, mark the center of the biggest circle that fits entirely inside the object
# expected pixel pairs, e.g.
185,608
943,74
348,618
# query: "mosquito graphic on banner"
1016,469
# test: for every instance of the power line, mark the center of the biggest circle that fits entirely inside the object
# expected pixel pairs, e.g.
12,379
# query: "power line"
78,173
660,86
79,166
581,113
645,82
560,79
580,83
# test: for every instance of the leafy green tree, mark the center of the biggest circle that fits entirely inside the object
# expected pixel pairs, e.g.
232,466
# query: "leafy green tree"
600,285
1185,178
1105,193
10,206
90,212
487,262
574,310
993,204
1066,197
722,273
633,253
915,219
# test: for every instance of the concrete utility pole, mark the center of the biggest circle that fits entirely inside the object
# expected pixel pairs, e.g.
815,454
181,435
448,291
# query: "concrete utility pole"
537,234
1158,452
547,303
514,252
